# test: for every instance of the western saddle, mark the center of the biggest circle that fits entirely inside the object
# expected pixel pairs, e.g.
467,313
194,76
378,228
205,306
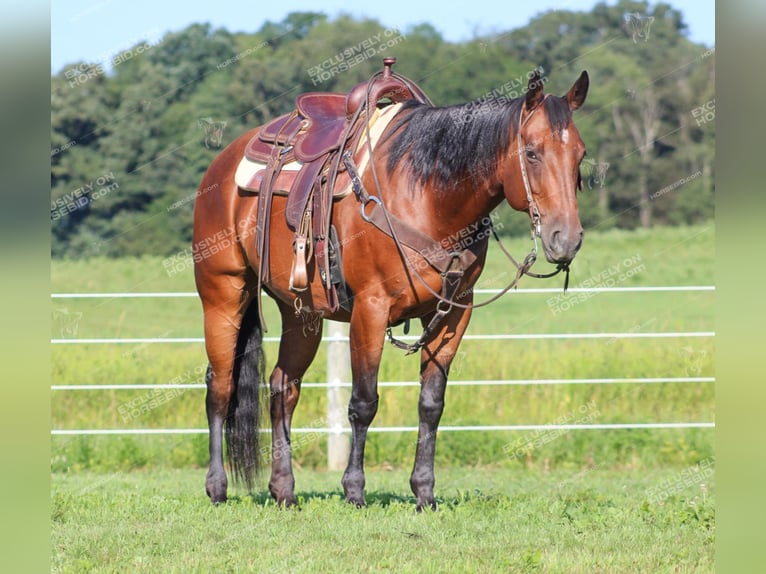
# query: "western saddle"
316,134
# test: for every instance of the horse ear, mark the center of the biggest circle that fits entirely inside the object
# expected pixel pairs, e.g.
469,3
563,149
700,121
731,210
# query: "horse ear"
576,94
534,91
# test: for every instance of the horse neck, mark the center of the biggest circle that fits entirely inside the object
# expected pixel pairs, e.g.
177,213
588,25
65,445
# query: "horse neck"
462,207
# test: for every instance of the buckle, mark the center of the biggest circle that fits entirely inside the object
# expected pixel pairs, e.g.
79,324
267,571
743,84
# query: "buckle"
363,206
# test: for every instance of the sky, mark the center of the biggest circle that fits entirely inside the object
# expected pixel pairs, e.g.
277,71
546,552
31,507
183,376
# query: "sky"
94,30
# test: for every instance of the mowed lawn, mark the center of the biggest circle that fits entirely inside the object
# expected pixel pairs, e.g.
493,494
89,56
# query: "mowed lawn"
489,520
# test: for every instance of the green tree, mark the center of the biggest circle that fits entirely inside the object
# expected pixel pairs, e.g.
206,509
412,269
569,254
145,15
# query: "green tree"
139,127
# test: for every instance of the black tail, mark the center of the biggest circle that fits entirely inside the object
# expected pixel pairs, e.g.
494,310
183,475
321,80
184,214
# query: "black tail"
244,418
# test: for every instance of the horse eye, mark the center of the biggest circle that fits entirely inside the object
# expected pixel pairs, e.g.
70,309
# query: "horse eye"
531,155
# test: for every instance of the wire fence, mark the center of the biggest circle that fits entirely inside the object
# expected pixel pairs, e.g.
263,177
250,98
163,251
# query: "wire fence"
337,384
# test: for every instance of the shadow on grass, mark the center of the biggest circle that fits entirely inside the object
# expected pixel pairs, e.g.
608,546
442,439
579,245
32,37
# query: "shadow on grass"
377,498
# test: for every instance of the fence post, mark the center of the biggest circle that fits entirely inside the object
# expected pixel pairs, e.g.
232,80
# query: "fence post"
338,371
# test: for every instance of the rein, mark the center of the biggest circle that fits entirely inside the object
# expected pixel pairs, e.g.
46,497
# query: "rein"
435,255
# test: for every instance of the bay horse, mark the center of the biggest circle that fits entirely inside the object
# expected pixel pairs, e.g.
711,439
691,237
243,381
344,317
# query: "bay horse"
436,172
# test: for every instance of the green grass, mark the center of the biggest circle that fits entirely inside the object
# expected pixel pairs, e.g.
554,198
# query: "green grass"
587,520
662,256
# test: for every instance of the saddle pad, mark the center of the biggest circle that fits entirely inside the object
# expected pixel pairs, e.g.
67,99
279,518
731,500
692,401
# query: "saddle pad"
249,173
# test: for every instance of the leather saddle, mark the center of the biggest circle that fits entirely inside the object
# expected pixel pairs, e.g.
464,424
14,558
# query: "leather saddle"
307,135
314,137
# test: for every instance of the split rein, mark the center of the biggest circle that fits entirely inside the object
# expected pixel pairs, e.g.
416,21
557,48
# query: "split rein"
451,271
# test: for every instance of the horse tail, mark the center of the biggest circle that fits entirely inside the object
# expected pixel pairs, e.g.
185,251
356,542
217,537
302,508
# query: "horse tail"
244,417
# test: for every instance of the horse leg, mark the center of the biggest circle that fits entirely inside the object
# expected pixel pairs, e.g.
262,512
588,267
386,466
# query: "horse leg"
223,305
366,334
297,348
436,357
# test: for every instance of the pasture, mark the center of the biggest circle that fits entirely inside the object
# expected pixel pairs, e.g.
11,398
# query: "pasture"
587,521
576,501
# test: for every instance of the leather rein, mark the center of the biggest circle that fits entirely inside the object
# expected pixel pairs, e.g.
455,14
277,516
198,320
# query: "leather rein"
450,264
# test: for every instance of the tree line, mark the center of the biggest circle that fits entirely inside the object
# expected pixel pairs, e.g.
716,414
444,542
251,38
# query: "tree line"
132,136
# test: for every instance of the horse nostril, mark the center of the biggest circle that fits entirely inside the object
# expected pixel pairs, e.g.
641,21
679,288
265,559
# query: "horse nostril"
564,243
555,240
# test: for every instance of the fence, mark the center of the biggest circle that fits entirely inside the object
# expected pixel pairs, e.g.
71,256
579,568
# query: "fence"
338,376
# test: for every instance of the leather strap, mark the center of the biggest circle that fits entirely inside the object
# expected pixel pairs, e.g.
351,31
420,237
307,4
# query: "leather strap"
263,215
450,285
436,256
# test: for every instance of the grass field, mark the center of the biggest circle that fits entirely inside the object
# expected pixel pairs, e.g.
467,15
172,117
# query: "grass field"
578,501
673,256
586,521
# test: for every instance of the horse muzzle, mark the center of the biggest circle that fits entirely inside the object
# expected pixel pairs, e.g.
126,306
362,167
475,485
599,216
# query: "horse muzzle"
561,243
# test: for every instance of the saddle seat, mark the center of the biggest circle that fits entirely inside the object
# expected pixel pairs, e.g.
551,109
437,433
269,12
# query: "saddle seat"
314,129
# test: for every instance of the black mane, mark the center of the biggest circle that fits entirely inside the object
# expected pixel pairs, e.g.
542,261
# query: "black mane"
446,145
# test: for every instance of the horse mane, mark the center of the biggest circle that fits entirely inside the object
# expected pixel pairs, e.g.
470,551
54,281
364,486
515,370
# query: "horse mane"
446,145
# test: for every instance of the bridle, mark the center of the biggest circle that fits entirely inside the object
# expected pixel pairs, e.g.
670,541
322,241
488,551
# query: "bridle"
534,213
451,264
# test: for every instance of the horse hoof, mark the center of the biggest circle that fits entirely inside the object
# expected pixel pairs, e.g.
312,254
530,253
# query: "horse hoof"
288,503
217,499
356,501
426,505
216,492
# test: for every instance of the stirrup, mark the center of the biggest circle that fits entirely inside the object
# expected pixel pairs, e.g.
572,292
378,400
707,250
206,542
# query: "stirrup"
299,280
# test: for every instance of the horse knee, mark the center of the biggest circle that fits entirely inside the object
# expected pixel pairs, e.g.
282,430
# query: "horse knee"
284,392
362,411
430,406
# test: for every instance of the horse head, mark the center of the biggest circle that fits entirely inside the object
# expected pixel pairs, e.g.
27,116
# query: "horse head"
542,172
